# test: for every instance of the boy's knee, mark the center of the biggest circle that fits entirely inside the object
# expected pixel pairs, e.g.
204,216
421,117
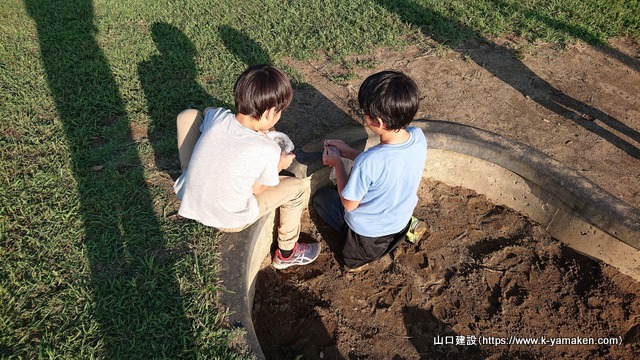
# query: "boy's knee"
188,115
302,186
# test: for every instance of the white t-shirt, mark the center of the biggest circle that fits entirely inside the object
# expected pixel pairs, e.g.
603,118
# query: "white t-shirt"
216,189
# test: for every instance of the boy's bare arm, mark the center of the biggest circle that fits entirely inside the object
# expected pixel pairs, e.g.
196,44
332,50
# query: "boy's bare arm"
285,161
345,150
259,188
331,157
341,180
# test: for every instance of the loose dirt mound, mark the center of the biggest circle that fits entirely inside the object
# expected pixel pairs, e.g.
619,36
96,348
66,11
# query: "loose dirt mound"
483,277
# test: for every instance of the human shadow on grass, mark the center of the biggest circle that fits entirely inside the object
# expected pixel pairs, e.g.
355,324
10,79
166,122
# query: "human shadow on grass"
136,303
309,117
501,62
309,109
170,86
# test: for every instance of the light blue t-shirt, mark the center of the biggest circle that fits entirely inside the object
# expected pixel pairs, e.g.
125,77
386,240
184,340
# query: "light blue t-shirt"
385,179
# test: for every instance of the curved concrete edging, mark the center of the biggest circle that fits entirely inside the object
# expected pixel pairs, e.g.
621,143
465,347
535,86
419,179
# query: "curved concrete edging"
572,209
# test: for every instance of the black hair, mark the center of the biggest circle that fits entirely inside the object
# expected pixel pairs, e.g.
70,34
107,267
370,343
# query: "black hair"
391,96
261,87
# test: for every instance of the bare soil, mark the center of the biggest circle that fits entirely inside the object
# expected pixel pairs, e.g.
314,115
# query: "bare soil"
579,105
484,271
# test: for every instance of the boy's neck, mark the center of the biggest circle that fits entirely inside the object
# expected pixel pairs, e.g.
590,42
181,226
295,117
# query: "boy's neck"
394,137
248,121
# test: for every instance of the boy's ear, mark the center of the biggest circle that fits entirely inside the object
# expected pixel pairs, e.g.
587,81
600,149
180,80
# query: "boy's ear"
265,115
269,113
379,123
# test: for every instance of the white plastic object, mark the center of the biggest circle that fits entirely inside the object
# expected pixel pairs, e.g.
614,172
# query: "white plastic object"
282,140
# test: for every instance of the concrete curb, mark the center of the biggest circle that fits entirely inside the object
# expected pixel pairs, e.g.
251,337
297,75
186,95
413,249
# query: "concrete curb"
573,209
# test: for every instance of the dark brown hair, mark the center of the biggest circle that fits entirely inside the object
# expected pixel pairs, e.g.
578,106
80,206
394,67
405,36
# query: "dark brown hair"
260,88
391,96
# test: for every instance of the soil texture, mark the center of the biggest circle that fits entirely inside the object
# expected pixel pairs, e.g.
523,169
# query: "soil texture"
580,104
482,279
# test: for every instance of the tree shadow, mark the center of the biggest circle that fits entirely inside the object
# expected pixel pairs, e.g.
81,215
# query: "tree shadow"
433,339
169,84
502,63
136,303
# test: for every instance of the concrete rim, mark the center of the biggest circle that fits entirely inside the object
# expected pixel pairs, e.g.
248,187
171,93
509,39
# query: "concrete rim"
573,209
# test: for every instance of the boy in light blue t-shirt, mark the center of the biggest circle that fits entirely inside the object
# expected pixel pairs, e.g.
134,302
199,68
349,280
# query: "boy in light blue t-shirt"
372,207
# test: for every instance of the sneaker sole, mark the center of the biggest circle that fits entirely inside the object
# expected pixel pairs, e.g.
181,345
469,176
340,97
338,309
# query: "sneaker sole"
285,266
282,266
357,269
418,232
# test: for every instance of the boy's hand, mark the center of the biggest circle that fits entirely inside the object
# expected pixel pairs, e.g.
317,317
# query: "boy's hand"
344,150
285,160
330,155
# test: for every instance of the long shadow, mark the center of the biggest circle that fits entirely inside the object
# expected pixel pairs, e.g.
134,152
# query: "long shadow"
573,30
309,110
310,115
433,339
136,300
502,63
307,334
588,37
169,84
600,46
301,332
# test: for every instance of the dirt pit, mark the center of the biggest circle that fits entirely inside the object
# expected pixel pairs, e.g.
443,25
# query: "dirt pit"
483,279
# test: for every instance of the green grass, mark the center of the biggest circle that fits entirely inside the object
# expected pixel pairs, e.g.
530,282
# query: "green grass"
92,264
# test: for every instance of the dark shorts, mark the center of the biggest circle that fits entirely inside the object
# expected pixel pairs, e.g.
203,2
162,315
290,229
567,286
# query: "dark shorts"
359,250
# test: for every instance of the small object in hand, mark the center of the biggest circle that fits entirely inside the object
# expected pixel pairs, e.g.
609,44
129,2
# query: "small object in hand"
282,140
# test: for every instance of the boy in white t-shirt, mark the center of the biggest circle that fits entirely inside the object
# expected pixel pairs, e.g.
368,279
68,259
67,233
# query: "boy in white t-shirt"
230,167
372,207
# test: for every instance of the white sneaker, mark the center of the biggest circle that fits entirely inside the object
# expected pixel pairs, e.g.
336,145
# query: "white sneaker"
303,254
